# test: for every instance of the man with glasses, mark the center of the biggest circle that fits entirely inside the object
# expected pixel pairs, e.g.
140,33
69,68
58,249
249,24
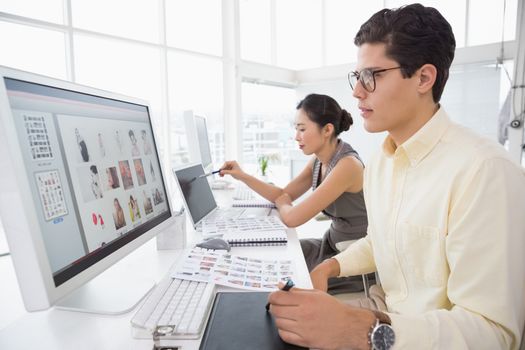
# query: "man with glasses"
445,207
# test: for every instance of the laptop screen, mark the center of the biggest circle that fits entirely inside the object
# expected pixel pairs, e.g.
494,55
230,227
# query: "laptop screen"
196,191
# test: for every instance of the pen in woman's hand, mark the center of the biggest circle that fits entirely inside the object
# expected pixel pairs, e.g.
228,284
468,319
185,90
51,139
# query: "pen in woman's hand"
289,284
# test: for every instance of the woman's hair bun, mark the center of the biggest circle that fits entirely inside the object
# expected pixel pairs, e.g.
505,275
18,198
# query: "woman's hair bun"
346,121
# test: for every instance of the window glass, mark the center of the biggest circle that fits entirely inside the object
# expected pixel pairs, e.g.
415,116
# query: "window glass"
268,128
486,23
343,20
138,19
195,83
129,69
49,10
194,25
472,97
509,23
454,12
299,33
33,49
255,30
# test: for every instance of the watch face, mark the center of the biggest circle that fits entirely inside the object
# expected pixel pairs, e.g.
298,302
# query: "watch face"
383,337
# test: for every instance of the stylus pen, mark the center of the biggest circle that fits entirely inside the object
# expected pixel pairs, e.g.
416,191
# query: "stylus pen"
208,174
289,284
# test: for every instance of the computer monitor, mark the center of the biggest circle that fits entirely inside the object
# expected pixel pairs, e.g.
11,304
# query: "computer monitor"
196,192
81,186
198,141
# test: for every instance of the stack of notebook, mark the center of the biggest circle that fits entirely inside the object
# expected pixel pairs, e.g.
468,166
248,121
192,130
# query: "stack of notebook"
256,238
253,203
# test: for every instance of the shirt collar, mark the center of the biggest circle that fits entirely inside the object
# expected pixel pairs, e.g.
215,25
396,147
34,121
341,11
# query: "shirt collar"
423,141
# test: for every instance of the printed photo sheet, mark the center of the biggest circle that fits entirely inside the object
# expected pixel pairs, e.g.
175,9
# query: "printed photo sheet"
234,271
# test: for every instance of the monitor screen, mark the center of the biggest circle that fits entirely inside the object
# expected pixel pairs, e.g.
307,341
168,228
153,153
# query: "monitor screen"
91,167
204,144
196,191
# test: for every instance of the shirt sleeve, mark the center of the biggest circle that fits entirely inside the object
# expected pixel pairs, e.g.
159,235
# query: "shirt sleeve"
357,259
484,250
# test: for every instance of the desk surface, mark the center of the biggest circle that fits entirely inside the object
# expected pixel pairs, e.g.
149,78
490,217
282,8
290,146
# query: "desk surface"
59,329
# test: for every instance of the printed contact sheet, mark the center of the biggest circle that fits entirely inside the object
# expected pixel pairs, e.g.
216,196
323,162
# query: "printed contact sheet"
234,271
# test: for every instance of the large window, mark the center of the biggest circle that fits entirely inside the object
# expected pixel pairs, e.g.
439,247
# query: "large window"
195,83
488,22
343,20
138,19
194,25
268,127
299,33
256,30
118,66
33,49
170,53
453,10
49,10
485,21
130,48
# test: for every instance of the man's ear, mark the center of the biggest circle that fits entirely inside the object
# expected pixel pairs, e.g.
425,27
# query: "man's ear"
427,78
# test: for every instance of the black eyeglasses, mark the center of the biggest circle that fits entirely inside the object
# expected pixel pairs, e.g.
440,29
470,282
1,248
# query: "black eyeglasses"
367,77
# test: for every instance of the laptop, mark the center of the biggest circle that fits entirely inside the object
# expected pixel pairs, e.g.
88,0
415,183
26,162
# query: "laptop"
199,200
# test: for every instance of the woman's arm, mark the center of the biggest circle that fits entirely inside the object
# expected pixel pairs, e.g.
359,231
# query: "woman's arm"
347,176
295,188
301,183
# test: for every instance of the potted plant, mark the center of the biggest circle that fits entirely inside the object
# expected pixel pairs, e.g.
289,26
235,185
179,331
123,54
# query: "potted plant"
263,165
264,161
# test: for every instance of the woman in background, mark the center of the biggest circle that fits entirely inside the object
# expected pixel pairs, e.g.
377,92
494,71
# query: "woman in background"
134,211
335,175
118,215
82,146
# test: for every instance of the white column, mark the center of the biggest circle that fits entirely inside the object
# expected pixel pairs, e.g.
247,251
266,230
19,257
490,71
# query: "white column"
232,80
516,137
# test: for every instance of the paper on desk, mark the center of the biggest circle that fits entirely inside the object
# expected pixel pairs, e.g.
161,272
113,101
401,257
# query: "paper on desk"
233,270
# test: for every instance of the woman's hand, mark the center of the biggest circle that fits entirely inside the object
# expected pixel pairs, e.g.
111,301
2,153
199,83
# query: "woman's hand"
283,199
233,169
319,280
320,274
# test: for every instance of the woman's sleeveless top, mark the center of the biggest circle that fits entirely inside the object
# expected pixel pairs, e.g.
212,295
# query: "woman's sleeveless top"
348,211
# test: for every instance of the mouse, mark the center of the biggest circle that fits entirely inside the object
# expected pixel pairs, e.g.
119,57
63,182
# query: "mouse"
215,244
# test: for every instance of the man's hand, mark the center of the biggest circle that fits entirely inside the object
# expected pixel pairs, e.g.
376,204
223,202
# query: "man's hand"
314,319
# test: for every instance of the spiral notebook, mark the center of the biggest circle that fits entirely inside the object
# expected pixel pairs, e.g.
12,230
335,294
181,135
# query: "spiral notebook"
256,238
253,204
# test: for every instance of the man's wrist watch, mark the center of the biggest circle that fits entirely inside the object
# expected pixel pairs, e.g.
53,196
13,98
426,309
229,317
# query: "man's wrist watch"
381,335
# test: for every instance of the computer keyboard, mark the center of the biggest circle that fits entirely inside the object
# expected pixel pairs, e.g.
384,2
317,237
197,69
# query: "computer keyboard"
221,226
243,193
183,305
225,213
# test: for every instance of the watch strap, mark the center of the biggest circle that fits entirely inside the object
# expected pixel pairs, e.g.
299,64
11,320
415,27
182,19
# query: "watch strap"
382,317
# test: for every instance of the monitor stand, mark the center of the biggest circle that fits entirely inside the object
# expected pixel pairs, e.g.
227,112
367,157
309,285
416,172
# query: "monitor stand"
107,297
116,291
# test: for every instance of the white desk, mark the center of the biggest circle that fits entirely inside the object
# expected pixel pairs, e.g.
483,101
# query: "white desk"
58,329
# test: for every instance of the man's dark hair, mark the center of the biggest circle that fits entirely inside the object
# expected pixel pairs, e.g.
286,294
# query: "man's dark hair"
414,35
